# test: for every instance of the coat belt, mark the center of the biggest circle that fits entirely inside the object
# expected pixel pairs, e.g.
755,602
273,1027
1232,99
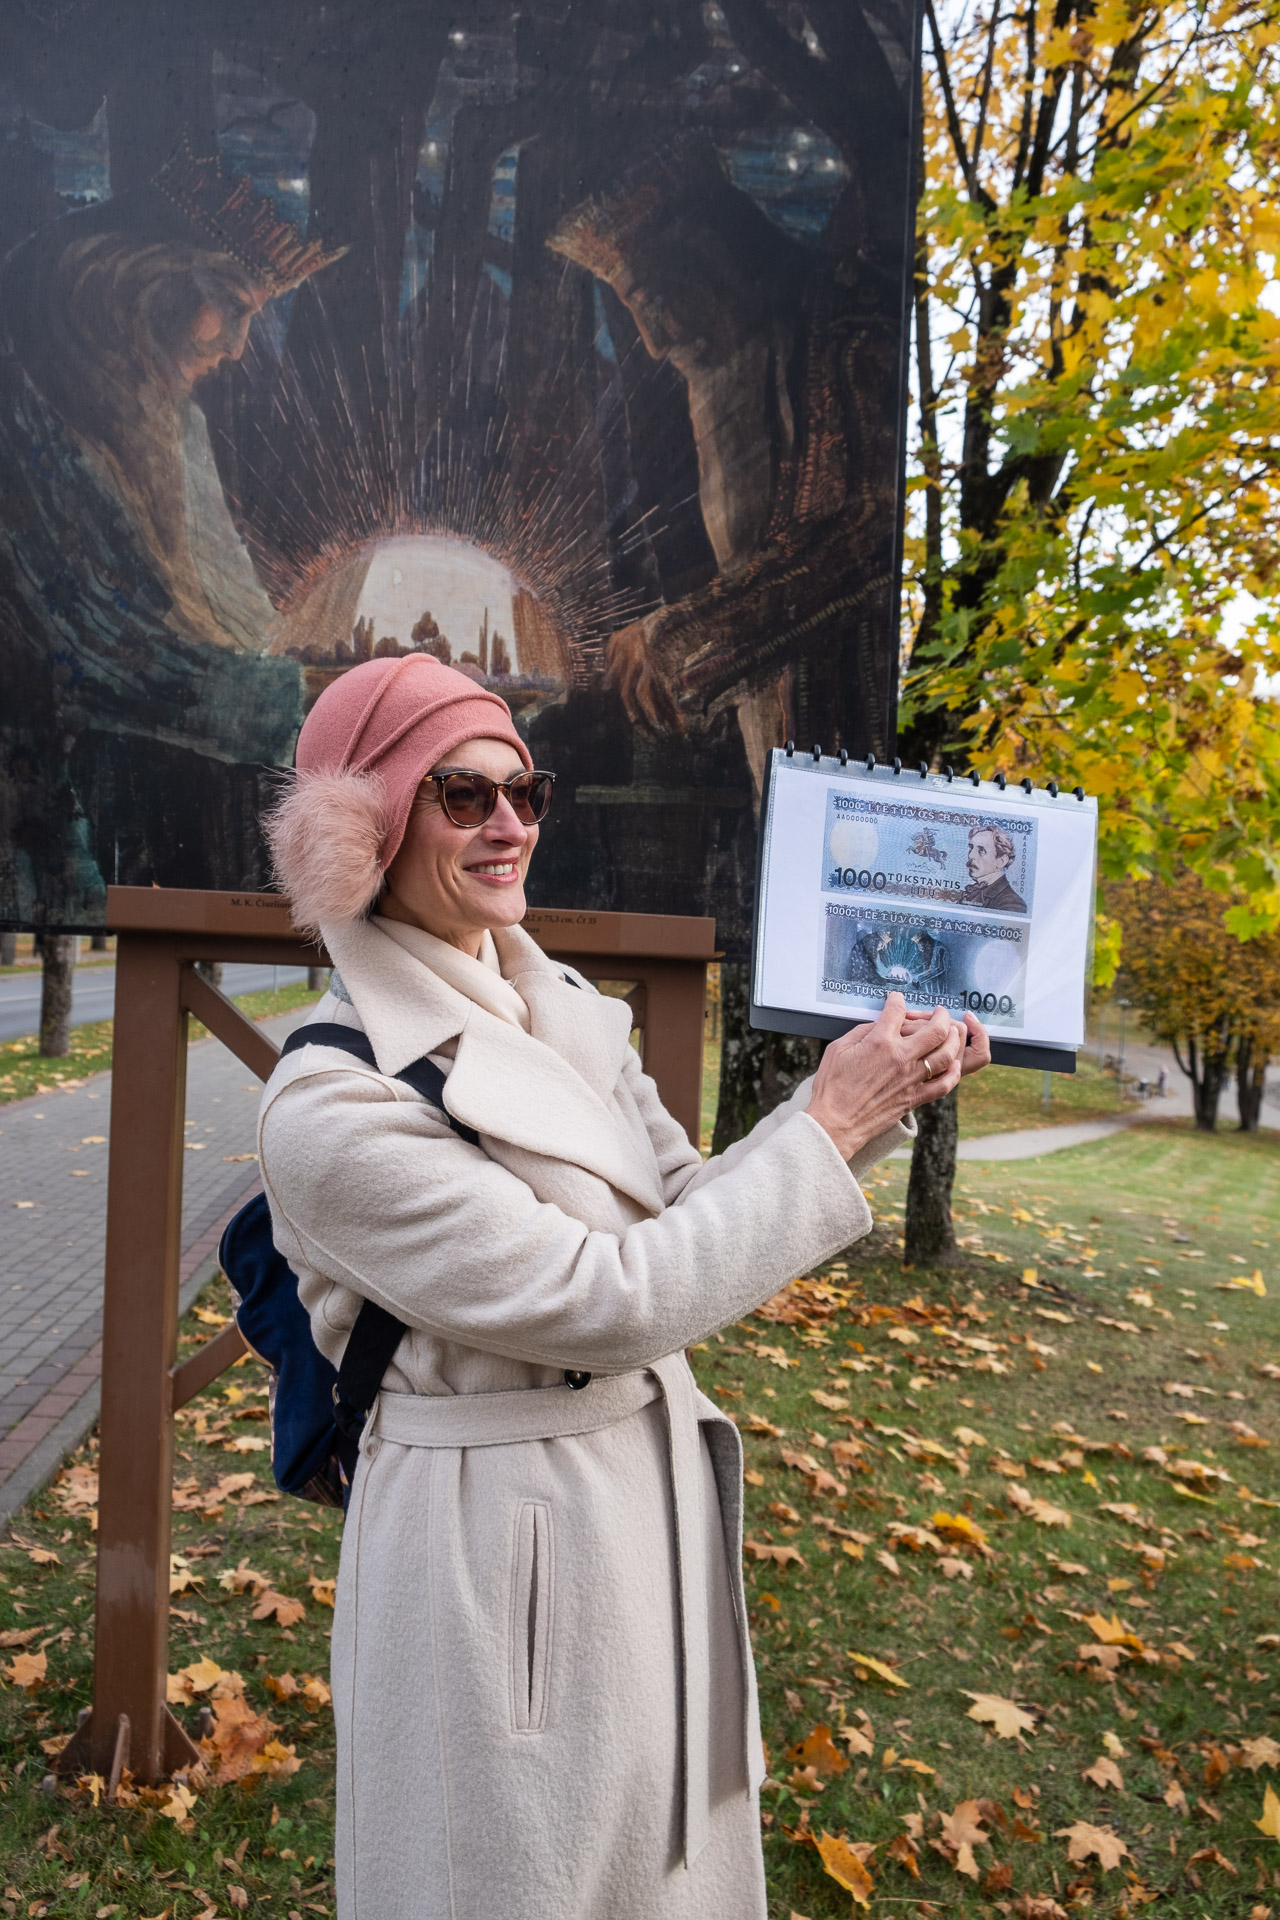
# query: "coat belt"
551,1413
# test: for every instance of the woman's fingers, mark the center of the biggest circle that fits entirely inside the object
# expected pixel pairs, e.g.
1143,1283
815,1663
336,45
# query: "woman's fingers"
929,1035
893,1016
977,1052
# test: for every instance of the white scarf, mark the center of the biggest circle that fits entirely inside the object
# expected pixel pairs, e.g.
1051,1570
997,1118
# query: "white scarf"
479,980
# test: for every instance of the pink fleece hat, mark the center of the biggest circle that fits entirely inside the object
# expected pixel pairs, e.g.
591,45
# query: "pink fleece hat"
362,753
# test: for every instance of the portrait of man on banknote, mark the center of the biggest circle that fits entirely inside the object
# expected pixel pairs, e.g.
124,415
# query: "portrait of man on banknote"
991,853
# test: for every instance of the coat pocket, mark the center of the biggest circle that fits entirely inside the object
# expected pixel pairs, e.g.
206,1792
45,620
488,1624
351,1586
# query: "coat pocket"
532,1601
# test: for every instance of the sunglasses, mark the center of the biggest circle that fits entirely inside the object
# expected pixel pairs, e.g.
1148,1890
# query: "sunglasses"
469,798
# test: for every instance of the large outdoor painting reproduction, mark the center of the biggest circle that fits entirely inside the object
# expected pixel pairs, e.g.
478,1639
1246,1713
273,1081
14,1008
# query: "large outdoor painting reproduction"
564,342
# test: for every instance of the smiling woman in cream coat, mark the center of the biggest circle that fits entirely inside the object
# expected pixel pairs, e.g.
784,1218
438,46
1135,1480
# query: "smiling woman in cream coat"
542,1678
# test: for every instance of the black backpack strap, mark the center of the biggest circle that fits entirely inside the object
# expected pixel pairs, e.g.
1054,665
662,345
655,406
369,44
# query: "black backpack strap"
369,1351
424,1076
327,1033
377,1333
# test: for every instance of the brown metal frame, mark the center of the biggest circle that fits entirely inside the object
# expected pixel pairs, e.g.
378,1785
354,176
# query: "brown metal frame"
161,934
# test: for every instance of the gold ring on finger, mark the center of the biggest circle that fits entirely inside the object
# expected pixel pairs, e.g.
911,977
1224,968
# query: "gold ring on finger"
928,1070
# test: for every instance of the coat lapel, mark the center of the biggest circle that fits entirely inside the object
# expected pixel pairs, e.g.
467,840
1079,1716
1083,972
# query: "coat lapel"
405,1009
547,1092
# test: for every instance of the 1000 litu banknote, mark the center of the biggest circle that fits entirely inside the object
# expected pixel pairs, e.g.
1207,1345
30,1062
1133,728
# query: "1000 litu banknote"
932,959
924,850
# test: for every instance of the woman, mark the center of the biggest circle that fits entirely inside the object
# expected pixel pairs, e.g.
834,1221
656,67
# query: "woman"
541,1674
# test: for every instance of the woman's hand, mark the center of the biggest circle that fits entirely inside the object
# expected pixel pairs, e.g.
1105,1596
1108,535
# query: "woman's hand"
875,1074
975,1055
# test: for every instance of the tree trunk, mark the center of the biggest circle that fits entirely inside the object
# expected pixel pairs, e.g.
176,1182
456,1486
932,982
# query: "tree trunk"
212,971
1206,1069
930,1236
1251,1078
8,949
98,943
758,1071
317,979
58,965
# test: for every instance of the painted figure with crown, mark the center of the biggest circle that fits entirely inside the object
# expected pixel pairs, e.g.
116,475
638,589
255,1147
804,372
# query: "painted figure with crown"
133,626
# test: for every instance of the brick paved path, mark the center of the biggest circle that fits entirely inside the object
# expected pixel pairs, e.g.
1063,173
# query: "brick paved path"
53,1191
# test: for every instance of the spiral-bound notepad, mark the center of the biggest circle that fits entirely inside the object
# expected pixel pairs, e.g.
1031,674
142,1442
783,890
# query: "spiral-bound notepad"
968,894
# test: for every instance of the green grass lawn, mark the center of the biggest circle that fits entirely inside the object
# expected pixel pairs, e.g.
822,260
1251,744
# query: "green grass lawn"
25,1070
1048,1478
1003,1099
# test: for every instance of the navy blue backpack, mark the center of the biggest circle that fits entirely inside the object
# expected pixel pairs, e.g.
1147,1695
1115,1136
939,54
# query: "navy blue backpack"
317,1410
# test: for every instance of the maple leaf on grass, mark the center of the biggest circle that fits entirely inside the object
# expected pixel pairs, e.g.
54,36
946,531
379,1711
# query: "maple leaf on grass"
1175,1797
1084,1841
1038,1906
847,1865
1112,1633
959,1527
322,1591
177,1803
781,1556
27,1670
1005,1719
1262,1752
20,1636
902,1848
819,1751
1043,1512
1104,1773
962,1831
287,1611
199,1677
243,1579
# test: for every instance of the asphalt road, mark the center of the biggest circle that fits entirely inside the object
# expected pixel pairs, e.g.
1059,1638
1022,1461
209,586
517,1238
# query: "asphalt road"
93,993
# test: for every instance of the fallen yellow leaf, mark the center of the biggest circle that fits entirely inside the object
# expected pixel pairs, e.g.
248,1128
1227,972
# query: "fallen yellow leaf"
878,1668
1103,1842
287,1611
1270,1821
958,1526
28,1670
178,1802
962,1831
243,1579
846,1867
1008,1721
1111,1633
818,1750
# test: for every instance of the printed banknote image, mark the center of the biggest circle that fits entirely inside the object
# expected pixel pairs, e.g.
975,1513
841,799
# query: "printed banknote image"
932,959
914,850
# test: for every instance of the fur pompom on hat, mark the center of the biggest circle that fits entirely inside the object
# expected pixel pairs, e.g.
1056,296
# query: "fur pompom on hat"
361,756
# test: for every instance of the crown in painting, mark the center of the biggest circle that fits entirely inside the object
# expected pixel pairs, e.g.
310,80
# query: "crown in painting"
240,222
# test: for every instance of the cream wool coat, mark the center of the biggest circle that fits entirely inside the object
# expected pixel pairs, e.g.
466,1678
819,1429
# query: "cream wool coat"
542,1683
